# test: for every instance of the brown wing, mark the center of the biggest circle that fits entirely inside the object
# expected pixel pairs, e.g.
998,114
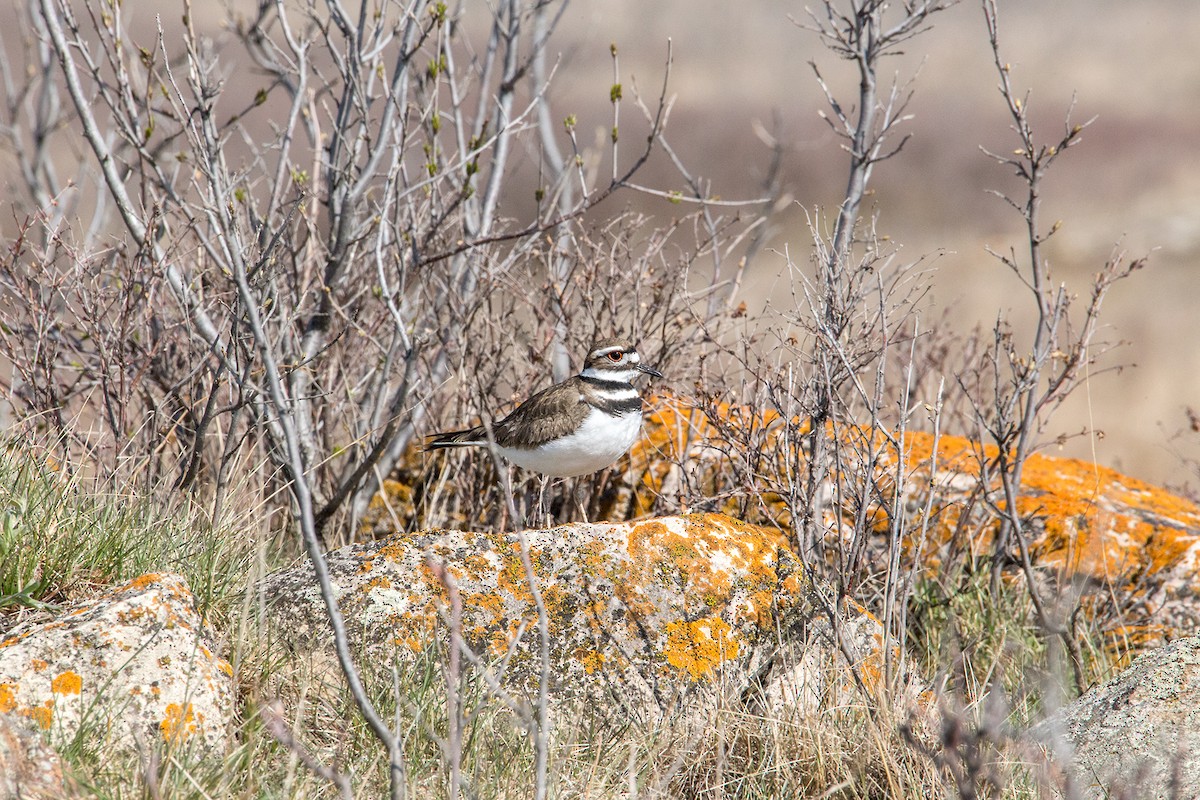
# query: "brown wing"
549,414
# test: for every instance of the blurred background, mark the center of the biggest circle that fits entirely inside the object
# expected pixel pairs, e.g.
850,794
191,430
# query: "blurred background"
1133,185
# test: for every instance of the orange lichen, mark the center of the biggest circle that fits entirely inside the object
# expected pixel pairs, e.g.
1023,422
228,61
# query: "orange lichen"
179,723
477,566
66,683
1093,521
379,582
394,550
43,716
415,644
708,561
142,581
511,576
591,660
8,697
488,602
1080,518
501,639
695,649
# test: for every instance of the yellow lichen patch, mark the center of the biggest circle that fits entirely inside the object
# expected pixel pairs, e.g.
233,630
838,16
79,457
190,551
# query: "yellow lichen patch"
793,584
592,661
556,598
379,582
8,697
648,537
414,627
664,556
428,581
695,649
488,602
478,566
709,560
43,716
66,683
415,644
595,614
38,664
501,639
511,577
142,581
395,550
179,723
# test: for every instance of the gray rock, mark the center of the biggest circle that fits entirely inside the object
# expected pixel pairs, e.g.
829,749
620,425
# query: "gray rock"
29,769
1138,735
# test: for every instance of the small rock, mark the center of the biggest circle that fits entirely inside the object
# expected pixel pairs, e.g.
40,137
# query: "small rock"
134,665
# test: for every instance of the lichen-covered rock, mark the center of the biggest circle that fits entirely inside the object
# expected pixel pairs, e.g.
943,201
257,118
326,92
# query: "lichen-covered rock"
133,667
644,617
1133,548
1138,735
29,769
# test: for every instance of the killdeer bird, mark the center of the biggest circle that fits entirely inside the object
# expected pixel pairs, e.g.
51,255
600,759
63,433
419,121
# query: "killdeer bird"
576,427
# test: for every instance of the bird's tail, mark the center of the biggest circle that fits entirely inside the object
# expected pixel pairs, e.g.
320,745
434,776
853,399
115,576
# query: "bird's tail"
471,437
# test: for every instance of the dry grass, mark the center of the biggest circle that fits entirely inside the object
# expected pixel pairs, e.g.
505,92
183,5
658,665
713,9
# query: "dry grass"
974,642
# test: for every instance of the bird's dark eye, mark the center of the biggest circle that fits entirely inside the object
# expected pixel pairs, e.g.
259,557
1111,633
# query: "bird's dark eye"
616,355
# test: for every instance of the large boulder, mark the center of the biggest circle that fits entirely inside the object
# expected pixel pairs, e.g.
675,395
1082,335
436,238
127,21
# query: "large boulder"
1130,550
135,667
644,618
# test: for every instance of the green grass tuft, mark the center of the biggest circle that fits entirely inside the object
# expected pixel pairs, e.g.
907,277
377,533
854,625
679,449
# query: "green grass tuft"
63,537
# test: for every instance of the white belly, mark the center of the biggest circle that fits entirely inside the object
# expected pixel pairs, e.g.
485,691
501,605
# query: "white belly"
598,443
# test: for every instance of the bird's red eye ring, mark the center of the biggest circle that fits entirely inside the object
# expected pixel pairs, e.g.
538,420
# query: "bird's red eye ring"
615,355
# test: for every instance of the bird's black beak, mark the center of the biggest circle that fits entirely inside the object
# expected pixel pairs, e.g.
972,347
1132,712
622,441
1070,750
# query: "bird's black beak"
648,370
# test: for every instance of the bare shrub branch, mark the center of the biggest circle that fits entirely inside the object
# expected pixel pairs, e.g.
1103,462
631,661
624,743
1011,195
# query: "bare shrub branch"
1029,385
